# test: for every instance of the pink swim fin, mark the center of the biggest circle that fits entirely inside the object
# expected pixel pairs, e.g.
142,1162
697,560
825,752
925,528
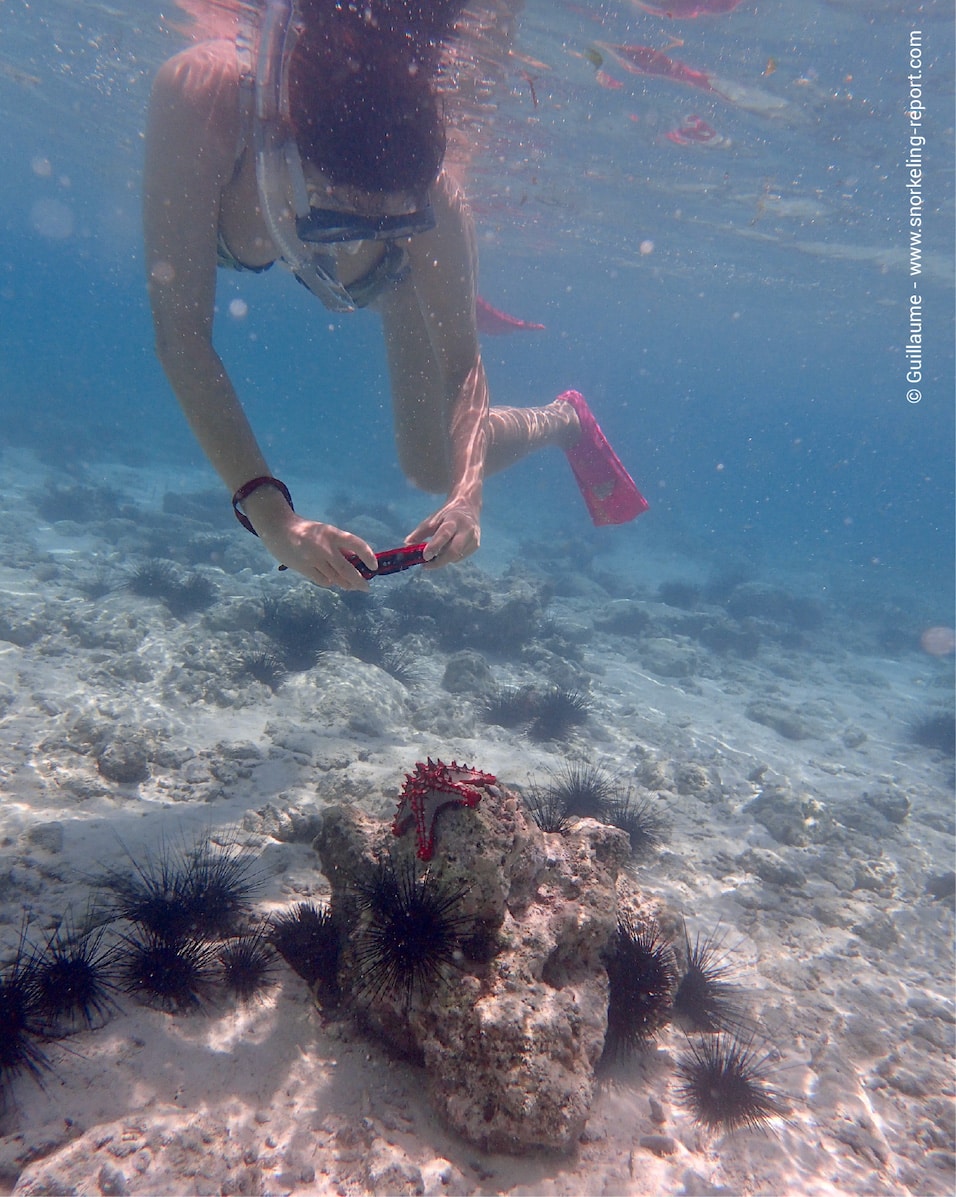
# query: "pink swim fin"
608,489
496,323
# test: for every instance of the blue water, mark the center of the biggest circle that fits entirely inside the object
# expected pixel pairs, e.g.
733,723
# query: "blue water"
737,314
749,368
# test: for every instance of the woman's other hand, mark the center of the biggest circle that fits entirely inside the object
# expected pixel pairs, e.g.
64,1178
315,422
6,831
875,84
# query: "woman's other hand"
453,533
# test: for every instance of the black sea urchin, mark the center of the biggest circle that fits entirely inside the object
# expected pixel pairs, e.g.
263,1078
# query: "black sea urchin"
412,931
161,579
247,965
725,1085
642,974
556,711
98,583
547,809
204,891
176,976
153,578
73,980
217,889
371,639
266,667
308,940
19,1050
299,626
936,731
194,592
151,894
585,791
643,823
509,706
704,1001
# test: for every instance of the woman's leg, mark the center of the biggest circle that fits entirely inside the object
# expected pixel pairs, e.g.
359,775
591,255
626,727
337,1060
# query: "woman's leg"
418,403
420,413
514,432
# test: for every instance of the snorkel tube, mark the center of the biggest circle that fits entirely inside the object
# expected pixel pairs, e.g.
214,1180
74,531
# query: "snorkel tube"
278,165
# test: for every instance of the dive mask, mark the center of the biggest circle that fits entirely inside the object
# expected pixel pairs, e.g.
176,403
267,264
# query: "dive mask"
329,226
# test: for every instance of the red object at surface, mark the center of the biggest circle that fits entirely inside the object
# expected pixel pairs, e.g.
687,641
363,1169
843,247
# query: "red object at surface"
686,10
694,130
496,323
608,81
645,60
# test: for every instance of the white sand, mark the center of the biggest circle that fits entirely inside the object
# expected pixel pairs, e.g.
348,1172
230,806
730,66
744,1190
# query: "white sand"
847,964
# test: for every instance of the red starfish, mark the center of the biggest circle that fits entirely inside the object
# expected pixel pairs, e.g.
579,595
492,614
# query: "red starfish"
433,786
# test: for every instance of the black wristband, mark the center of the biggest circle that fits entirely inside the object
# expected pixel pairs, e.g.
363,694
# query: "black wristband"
246,490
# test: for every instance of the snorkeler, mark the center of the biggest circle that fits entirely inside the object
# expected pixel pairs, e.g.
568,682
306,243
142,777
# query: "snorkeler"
314,135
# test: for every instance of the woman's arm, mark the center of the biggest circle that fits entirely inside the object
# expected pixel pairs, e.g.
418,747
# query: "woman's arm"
190,143
191,139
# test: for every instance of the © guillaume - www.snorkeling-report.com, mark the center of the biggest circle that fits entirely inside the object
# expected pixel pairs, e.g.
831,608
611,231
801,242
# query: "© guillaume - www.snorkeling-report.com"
914,186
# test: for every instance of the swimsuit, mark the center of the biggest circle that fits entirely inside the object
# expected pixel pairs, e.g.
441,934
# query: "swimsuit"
391,269
228,260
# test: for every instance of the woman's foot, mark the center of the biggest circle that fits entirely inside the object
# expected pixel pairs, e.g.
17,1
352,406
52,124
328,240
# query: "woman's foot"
608,489
567,426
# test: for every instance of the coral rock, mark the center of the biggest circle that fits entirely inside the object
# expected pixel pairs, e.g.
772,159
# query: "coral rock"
509,1042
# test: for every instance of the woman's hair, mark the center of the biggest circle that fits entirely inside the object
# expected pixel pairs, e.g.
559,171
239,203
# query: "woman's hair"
362,96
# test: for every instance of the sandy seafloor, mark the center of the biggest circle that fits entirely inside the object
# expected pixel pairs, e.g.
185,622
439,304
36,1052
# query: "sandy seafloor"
846,961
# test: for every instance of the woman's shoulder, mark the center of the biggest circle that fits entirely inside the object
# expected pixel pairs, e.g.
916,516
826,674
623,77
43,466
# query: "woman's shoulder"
447,195
198,90
201,75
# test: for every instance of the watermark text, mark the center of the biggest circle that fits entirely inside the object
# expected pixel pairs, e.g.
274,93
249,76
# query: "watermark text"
913,174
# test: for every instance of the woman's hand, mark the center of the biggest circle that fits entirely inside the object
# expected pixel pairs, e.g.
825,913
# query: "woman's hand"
316,551
453,533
